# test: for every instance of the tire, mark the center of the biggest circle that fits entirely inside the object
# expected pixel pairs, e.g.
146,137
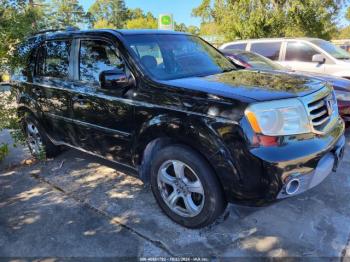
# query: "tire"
38,142
191,196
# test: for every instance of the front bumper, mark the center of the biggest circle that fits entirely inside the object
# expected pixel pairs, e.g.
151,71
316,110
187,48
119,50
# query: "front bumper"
299,183
259,175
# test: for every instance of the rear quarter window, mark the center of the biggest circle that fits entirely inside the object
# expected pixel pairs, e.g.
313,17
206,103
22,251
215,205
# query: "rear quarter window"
270,50
53,59
23,60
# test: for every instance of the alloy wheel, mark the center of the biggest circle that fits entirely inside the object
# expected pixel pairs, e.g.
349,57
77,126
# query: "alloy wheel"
34,139
180,188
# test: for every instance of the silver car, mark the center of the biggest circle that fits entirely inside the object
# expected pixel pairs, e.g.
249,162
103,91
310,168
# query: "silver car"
301,54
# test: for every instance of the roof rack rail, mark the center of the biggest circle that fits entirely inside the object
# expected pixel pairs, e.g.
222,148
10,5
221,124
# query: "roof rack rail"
69,28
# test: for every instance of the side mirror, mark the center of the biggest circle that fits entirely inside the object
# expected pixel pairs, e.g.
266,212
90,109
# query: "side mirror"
113,79
318,58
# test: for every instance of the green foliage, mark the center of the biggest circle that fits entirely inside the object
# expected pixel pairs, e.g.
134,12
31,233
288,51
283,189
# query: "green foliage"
17,20
344,33
204,11
144,21
113,12
183,28
4,150
102,24
9,118
241,19
65,13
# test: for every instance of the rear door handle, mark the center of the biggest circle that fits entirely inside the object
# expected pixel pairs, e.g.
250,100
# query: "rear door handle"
79,99
37,91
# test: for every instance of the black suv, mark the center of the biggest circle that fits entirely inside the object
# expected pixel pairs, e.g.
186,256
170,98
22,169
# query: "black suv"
171,107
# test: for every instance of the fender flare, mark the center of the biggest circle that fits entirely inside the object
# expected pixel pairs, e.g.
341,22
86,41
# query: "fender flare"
195,133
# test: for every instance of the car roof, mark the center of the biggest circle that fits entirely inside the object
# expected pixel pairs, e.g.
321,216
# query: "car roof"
71,32
275,39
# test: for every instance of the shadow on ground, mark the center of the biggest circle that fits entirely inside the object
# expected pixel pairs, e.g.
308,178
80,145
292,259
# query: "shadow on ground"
316,223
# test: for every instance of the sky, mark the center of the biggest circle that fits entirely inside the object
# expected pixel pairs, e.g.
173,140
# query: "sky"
181,9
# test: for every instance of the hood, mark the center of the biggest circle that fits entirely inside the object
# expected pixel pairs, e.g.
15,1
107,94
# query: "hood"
255,85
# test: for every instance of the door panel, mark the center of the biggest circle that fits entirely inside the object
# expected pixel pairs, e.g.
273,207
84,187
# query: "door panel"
103,119
52,83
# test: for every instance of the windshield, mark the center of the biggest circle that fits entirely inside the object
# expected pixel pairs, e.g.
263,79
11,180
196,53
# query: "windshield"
172,56
258,62
332,49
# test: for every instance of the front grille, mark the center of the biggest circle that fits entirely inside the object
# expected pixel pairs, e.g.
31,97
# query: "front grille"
321,107
319,112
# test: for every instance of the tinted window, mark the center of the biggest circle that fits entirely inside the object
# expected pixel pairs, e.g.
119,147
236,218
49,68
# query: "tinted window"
270,50
258,62
237,46
53,59
171,56
332,49
97,56
299,51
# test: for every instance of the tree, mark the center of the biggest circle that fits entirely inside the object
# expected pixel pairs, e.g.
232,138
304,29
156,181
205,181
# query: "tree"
66,13
147,21
344,33
204,11
194,30
18,19
101,24
180,27
239,19
135,13
114,12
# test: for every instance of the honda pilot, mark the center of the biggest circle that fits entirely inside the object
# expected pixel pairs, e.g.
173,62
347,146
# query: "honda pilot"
174,110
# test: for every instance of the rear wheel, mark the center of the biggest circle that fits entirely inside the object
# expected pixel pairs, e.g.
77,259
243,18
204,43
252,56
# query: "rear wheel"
185,187
38,142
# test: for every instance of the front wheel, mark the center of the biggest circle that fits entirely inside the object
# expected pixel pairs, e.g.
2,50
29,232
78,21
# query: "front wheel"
186,187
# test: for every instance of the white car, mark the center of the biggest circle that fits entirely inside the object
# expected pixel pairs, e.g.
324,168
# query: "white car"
301,54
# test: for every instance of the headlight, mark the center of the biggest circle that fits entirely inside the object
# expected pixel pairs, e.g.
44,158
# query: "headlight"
279,118
342,95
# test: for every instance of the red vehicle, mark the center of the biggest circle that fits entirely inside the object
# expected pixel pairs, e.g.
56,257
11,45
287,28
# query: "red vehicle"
250,60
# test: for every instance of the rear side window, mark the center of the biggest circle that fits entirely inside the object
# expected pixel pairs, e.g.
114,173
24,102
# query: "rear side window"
299,51
97,56
270,50
53,59
240,46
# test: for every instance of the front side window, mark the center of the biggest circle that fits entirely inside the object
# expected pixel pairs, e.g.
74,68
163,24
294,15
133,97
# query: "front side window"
170,56
332,49
97,56
270,50
53,59
299,51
